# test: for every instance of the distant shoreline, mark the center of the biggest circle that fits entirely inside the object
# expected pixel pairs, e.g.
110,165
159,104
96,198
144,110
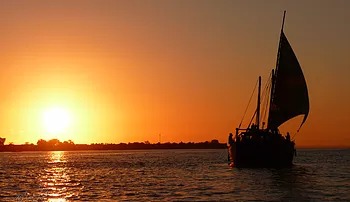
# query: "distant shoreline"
121,146
70,146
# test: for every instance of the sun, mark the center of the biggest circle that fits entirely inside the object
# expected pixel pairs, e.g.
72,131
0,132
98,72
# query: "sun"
56,120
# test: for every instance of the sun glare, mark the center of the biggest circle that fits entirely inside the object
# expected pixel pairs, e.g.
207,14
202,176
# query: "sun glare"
56,120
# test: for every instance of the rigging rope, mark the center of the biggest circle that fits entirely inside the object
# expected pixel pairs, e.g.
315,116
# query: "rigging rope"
293,137
252,119
266,97
248,105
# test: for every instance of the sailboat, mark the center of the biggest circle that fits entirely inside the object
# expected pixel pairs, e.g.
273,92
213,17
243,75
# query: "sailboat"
260,146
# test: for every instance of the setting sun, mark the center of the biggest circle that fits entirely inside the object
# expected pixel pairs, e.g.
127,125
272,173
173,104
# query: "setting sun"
56,120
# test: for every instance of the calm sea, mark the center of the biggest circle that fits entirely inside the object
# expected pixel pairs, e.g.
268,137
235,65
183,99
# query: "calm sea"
169,175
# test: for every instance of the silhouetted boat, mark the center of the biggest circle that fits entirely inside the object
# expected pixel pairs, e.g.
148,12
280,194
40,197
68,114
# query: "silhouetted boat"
257,146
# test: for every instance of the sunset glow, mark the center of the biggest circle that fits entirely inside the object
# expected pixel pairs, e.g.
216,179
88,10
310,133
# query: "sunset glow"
125,71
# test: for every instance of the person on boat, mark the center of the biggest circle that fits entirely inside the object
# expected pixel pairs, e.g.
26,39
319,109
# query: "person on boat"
230,140
288,137
230,143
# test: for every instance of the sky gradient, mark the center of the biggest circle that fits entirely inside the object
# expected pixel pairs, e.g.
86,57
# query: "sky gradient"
130,70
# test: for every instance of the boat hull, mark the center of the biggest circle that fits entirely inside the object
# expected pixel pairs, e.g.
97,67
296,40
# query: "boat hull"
274,152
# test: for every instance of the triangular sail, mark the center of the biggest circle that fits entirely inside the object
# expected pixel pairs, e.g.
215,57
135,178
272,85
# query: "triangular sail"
290,95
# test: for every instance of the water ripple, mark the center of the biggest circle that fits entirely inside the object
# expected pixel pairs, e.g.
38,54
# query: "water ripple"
169,175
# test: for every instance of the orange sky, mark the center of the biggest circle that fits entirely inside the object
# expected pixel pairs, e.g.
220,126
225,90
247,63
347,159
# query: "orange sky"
130,70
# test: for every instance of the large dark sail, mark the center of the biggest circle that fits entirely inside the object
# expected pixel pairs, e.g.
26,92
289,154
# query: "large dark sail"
290,95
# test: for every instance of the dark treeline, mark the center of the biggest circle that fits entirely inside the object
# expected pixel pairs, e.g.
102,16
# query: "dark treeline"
56,145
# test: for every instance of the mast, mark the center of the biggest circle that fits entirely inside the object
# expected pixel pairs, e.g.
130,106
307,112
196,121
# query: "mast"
284,16
273,79
274,71
258,105
279,43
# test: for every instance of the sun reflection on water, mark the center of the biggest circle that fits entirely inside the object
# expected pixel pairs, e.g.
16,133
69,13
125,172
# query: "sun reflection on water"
57,157
55,179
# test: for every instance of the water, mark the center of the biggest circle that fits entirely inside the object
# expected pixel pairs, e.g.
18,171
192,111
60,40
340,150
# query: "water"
169,175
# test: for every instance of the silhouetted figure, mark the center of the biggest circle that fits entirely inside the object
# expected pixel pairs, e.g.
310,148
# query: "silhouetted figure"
230,140
288,137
